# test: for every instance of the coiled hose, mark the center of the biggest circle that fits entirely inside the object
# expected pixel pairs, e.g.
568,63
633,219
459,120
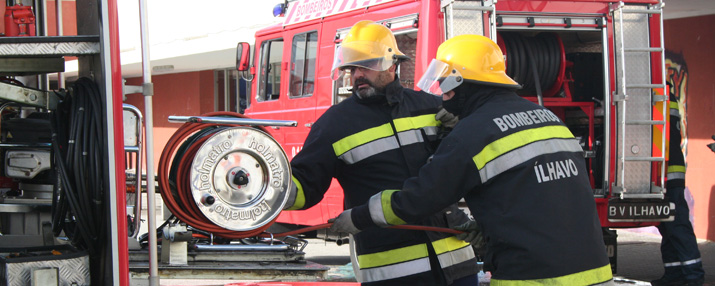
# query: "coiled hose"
537,62
174,176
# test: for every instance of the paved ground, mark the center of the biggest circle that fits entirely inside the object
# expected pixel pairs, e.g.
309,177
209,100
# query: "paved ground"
638,257
638,260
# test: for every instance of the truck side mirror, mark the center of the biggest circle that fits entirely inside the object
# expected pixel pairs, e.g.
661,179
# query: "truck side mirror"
243,56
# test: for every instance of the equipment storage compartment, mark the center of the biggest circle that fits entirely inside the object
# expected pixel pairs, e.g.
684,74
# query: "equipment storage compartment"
44,265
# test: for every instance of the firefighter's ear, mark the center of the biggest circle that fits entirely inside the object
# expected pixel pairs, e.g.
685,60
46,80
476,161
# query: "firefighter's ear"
392,68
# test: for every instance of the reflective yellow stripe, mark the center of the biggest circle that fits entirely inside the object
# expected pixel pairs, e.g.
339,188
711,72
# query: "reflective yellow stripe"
390,216
362,137
588,277
448,244
392,256
372,134
299,196
408,253
518,139
416,122
676,169
674,105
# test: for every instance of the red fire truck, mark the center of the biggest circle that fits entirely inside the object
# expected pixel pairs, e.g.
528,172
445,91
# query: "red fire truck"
72,156
598,65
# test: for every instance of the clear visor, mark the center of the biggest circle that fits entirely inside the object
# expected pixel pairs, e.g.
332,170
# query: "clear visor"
439,78
364,54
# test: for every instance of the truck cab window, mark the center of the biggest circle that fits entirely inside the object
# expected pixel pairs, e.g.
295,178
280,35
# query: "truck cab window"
302,70
269,80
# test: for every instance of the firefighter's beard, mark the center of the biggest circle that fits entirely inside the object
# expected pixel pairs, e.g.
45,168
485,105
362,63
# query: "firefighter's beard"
365,88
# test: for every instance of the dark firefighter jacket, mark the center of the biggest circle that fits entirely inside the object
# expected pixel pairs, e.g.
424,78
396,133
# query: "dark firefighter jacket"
369,146
676,160
523,176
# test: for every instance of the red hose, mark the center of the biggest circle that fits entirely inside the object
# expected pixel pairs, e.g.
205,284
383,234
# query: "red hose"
327,225
186,210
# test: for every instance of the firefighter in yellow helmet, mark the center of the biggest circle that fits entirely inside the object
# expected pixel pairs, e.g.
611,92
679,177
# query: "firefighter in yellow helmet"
373,141
520,170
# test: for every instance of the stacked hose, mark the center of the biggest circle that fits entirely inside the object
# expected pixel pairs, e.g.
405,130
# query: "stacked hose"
537,63
79,200
174,176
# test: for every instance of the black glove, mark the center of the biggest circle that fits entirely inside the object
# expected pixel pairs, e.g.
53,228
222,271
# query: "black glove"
472,233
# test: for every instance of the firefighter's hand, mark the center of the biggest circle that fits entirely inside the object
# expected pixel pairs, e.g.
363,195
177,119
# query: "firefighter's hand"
449,120
344,223
472,233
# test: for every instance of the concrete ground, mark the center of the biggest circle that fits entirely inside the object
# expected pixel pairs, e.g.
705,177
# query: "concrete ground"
638,260
639,255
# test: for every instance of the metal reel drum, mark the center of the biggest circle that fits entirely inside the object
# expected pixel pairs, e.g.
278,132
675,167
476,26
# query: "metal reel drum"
240,178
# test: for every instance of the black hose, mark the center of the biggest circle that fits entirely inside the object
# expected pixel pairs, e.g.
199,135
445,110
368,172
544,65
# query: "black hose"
533,62
79,203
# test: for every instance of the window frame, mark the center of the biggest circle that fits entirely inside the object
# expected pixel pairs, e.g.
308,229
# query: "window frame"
306,66
265,53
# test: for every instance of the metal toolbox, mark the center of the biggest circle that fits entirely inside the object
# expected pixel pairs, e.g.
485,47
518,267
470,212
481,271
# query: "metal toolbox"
44,265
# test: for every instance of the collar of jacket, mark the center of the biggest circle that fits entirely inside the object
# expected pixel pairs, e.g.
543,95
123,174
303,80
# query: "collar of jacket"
393,94
480,95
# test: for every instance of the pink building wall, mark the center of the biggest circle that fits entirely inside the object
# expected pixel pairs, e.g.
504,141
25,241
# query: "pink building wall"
689,43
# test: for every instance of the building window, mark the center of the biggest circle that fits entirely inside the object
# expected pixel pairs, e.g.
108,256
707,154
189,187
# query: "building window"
269,76
302,70
230,91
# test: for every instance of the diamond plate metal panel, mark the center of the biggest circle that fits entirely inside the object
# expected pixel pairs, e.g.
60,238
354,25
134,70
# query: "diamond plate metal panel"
72,271
463,18
45,49
638,106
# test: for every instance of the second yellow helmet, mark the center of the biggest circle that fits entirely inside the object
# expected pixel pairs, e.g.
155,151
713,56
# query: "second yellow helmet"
466,57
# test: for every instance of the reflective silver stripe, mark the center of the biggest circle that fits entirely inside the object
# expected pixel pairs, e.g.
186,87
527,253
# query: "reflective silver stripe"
672,264
416,266
430,130
607,283
678,263
375,207
525,153
676,176
410,137
674,112
455,257
366,150
385,144
395,270
692,261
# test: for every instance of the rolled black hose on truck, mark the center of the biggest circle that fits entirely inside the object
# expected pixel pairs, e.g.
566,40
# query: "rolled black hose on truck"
528,58
79,203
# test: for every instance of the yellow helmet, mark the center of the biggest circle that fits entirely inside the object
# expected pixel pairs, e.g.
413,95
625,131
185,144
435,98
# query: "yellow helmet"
368,45
466,57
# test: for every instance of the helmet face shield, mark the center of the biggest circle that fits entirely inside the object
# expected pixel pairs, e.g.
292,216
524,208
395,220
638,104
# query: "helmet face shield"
439,78
364,54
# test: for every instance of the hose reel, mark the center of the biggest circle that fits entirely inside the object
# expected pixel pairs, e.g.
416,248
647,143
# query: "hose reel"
239,178
538,63
230,178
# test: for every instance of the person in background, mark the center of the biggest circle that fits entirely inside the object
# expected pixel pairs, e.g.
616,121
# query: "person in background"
520,170
375,140
679,247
